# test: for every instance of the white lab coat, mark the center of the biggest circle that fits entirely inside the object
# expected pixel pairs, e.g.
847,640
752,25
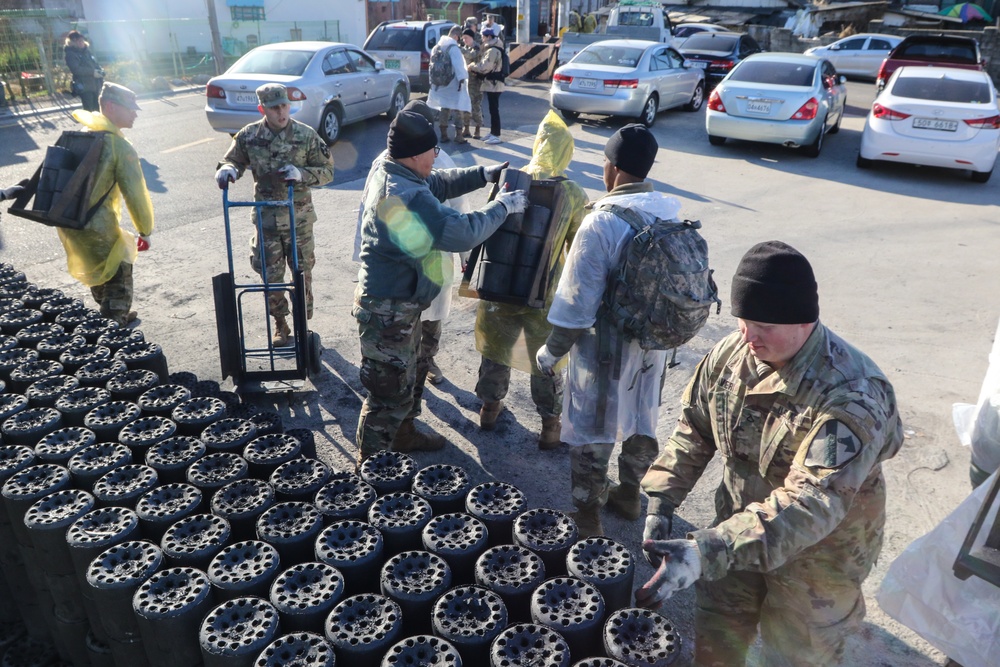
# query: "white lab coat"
456,94
441,306
633,398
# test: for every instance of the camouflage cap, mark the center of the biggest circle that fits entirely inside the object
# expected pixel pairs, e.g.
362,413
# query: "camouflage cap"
272,94
112,92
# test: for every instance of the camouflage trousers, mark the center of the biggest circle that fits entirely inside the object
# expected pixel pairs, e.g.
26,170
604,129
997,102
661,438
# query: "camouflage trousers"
115,296
393,369
546,392
451,115
476,96
277,249
805,608
589,468
430,339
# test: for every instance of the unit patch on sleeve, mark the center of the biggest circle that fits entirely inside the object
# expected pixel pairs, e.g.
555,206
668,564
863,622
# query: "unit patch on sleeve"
833,446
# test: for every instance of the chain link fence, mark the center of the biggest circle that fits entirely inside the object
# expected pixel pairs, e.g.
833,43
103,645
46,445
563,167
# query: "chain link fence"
134,53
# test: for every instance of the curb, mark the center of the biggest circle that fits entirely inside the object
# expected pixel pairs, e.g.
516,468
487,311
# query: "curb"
18,115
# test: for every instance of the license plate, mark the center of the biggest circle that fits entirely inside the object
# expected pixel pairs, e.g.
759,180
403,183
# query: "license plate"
700,64
587,83
246,98
758,107
392,63
935,124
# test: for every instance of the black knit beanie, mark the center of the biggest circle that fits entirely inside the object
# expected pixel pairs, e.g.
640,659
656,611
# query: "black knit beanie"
422,108
632,149
774,284
410,134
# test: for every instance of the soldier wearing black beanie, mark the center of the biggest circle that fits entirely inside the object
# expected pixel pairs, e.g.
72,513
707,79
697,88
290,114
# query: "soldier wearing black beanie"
774,283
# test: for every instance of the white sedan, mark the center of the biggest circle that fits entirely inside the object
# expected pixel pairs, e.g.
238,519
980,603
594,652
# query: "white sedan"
858,55
937,117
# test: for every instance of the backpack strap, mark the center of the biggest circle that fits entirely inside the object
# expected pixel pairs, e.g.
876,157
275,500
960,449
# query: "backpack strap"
93,209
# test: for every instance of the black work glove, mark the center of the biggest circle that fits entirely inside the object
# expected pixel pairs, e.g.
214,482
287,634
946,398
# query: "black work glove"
492,174
12,191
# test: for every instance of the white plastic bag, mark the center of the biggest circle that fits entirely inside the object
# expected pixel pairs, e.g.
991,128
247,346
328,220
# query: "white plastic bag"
920,590
978,425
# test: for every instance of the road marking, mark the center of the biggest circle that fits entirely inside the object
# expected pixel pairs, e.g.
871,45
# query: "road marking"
183,146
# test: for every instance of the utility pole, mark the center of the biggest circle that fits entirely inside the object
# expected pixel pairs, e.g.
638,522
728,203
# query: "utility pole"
213,24
523,33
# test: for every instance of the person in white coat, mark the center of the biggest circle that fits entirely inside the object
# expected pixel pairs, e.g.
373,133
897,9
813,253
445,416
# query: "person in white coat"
453,100
612,389
432,319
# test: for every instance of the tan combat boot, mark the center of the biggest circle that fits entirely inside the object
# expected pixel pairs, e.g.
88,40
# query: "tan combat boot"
444,134
551,430
588,520
475,135
409,439
488,414
465,131
624,501
281,332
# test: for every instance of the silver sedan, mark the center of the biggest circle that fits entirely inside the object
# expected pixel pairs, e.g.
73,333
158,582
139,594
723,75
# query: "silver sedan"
627,77
329,85
778,98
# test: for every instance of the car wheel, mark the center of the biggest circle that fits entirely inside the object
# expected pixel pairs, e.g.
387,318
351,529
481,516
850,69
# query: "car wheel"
648,115
864,163
329,125
836,128
569,115
813,149
981,176
716,141
697,98
398,102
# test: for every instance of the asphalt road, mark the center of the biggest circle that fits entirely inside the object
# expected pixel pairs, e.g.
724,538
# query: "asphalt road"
906,260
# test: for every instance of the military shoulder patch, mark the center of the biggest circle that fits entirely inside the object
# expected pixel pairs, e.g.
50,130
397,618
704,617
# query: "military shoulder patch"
832,446
324,149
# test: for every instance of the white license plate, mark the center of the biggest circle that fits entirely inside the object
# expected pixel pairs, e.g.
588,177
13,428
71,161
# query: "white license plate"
700,64
587,83
935,124
246,98
392,63
758,107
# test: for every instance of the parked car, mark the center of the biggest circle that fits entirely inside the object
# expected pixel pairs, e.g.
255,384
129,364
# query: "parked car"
684,30
778,98
931,51
406,46
936,117
718,52
858,55
329,85
627,77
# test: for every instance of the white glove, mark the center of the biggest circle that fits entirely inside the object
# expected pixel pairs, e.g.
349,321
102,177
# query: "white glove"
657,529
546,361
515,201
290,172
680,567
225,176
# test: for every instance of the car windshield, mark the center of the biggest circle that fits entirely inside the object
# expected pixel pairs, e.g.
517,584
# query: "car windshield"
767,71
942,90
959,53
391,38
640,19
290,63
609,55
707,41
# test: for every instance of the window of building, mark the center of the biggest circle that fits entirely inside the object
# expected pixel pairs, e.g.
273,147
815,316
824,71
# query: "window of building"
247,14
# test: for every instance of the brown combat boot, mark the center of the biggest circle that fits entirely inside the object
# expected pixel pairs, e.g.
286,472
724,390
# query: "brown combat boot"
488,414
551,430
475,135
465,131
409,439
434,374
624,501
444,134
281,332
588,520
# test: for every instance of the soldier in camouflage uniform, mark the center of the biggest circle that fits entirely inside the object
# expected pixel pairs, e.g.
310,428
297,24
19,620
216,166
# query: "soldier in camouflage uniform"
471,50
612,389
802,421
405,227
278,149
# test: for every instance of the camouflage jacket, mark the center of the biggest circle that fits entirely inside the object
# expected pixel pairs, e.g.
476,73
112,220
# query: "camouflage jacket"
797,445
262,151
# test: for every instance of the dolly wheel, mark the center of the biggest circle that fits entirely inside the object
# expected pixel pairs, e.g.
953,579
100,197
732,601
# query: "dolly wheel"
315,353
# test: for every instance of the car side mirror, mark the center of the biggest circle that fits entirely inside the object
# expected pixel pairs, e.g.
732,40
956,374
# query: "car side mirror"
379,66
842,79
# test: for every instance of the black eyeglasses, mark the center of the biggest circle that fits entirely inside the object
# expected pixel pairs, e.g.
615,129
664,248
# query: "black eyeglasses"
437,151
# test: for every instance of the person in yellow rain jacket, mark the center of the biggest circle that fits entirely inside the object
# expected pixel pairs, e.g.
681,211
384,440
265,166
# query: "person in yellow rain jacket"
508,336
101,254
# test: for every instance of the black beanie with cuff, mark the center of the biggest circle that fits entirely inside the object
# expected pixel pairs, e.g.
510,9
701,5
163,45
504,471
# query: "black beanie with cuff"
774,284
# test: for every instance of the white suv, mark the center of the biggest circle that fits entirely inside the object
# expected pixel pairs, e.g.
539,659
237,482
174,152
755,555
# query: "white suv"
406,46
